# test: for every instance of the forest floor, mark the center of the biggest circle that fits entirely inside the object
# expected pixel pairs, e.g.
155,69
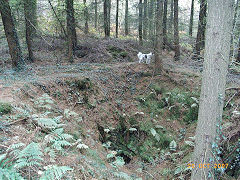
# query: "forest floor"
117,102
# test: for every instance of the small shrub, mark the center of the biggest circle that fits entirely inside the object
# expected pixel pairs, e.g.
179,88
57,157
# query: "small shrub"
5,108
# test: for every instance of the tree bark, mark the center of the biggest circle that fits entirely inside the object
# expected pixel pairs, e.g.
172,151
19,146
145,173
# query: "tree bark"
159,37
117,18
216,60
200,41
165,24
34,17
176,32
235,26
71,30
96,14
238,56
140,23
150,17
106,11
145,20
126,19
170,26
28,13
86,29
191,19
11,35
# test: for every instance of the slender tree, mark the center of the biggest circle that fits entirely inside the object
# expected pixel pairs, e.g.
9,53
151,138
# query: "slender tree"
235,26
28,13
191,19
96,14
11,35
145,19
176,32
238,55
165,23
159,37
117,8
34,17
170,26
216,60
86,29
60,22
140,23
201,29
126,18
150,18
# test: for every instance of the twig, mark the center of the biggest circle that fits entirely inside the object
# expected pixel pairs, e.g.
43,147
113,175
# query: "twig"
234,88
231,98
17,121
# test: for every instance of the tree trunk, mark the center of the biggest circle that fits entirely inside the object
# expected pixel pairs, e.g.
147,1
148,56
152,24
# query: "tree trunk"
140,33
191,19
105,12
86,29
201,29
176,33
11,35
235,24
145,20
70,30
150,17
126,19
170,26
109,17
159,37
34,17
238,56
165,24
117,18
96,15
216,60
28,4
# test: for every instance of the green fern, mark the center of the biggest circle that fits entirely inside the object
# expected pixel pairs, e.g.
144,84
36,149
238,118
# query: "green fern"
58,139
15,149
55,172
9,174
29,156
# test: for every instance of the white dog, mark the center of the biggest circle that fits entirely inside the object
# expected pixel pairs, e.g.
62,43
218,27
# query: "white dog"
145,57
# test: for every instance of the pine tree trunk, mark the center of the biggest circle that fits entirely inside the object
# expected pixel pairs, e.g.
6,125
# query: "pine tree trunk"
28,4
140,33
216,60
11,35
191,19
150,17
86,29
176,32
145,20
96,15
126,19
117,18
165,24
201,29
159,37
